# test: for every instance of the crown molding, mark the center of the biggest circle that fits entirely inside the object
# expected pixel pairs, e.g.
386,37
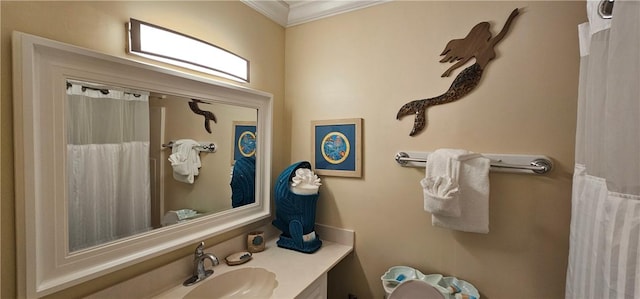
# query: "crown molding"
276,10
307,11
292,13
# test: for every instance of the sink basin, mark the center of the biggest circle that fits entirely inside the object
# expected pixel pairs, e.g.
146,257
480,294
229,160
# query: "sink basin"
241,283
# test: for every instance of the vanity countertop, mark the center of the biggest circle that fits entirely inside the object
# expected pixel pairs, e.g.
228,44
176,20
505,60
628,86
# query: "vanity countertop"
294,270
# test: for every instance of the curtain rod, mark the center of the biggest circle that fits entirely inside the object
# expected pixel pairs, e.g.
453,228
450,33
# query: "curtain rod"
104,91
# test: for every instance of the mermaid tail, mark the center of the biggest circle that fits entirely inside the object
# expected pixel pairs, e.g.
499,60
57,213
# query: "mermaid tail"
208,115
419,108
463,84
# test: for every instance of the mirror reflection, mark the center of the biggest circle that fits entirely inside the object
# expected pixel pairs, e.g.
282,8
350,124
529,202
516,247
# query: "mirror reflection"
140,160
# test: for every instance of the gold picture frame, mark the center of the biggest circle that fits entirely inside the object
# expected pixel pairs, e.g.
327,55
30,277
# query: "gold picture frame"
244,139
336,147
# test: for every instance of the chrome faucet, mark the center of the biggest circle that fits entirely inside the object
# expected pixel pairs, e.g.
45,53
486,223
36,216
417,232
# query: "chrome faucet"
199,272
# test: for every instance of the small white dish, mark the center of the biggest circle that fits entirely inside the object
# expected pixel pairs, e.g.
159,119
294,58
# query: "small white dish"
463,286
416,289
432,279
398,274
238,258
447,286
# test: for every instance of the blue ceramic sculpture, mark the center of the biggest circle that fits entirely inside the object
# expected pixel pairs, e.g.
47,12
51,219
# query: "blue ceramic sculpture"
243,182
295,214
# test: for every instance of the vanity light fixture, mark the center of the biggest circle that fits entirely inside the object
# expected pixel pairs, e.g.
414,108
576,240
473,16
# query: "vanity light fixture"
165,45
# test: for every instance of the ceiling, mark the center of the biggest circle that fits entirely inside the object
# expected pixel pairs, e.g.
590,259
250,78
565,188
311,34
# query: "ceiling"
289,12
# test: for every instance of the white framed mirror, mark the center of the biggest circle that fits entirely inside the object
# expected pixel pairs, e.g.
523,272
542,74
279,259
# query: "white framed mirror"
57,246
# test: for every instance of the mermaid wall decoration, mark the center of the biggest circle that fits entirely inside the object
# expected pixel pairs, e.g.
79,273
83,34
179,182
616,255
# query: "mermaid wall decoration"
208,115
477,44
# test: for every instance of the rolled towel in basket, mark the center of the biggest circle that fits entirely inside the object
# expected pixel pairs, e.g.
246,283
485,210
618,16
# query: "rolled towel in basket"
305,182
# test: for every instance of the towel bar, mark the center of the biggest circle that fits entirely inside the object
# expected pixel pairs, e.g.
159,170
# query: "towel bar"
502,163
208,147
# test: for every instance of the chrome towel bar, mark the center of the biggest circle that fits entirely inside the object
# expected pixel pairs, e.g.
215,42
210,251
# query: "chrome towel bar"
208,147
501,163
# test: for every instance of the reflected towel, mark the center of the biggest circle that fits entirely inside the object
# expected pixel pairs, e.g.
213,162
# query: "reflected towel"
185,160
173,217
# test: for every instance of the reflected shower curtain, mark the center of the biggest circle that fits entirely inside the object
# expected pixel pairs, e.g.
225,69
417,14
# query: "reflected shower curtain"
107,164
604,257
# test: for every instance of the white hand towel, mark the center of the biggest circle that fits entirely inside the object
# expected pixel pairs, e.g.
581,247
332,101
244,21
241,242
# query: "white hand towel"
185,160
440,184
472,174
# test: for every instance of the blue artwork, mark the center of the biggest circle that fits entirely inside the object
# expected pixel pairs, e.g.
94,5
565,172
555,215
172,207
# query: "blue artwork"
335,147
245,141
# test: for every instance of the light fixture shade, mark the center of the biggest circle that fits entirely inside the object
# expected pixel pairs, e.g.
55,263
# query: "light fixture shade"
161,44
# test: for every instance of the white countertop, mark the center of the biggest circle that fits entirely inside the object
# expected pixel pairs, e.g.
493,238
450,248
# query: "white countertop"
294,270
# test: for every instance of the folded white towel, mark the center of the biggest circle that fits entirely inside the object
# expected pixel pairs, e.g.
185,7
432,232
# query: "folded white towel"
185,160
469,172
305,182
440,184
441,195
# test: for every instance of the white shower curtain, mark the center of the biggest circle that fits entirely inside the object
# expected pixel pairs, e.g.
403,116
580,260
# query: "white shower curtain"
107,164
604,257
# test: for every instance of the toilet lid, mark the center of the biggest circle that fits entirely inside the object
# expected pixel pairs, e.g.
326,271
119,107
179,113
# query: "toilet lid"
415,289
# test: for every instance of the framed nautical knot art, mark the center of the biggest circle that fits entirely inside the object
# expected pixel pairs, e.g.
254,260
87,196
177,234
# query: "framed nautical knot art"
336,147
244,139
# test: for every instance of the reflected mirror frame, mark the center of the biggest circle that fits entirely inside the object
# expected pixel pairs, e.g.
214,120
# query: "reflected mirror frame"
41,67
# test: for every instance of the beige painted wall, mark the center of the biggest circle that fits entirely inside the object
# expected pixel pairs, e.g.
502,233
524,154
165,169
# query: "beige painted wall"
100,26
370,62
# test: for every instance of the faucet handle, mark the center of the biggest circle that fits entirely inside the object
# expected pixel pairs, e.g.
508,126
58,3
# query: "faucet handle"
199,271
200,249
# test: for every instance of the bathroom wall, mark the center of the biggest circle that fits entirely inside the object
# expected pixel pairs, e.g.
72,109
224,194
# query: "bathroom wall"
370,62
100,26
